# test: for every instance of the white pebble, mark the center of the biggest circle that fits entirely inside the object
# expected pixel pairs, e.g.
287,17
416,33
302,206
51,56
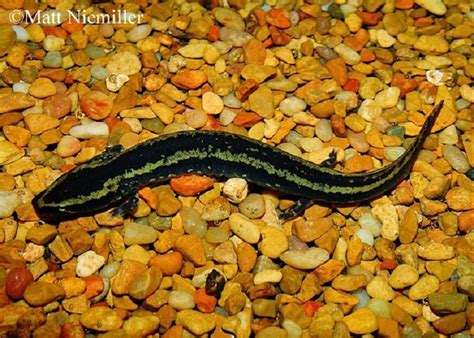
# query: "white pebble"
90,130
226,117
244,228
456,158
181,300
21,87
52,43
392,153
365,236
138,33
371,224
89,263
292,105
115,81
9,200
236,189
21,33
449,135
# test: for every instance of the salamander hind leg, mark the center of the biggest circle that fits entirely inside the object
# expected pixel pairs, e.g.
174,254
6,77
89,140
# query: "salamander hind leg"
296,209
127,207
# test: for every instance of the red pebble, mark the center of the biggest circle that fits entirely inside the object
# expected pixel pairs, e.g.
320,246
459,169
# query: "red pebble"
72,330
352,85
17,281
388,264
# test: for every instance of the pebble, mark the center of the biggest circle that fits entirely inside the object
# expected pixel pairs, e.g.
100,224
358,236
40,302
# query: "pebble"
456,158
42,293
68,146
136,233
17,281
125,63
402,276
212,103
305,259
370,223
192,222
90,130
447,302
236,189
362,321
425,286
101,318
42,87
9,200
253,206
197,323
323,130
53,60
52,43
89,263
139,32
244,228
435,6
350,56
195,118
292,105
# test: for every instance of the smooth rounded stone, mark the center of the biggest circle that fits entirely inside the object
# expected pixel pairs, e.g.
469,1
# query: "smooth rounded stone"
68,146
432,250
456,158
363,298
442,303
379,307
21,33
290,148
139,32
305,259
101,318
192,222
216,235
181,300
236,189
98,72
350,56
136,233
9,200
326,53
370,223
388,98
267,276
358,141
53,43
281,83
146,283
361,321
253,206
227,116
94,52
392,153
449,135
125,63
110,270
89,263
42,293
384,39
244,228
229,18
292,328
21,87
234,37
292,105
196,322
379,288
323,130
365,236
425,286
212,103
53,60
311,144
90,130
231,101
434,6
195,118
116,81
369,110
467,93
154,125
142,326
402,276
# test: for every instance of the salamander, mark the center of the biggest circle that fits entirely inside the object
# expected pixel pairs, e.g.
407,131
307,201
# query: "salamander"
112,179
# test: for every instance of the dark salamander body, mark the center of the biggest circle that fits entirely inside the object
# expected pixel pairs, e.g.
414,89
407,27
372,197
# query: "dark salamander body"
114,177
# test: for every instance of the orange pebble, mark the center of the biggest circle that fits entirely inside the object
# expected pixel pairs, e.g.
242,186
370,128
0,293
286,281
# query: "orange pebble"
147,194
466,221
204,302
388,264
278,17
94,285
169,263
72,26
279,38
404,4
424,22
352,85
405,85
260,15
337,69
67,167
213,34
370,19
310,307
56,31
191,185
366,55
244,119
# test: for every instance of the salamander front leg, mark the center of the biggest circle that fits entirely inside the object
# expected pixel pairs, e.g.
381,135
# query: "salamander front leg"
330,162
127,207
296,209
